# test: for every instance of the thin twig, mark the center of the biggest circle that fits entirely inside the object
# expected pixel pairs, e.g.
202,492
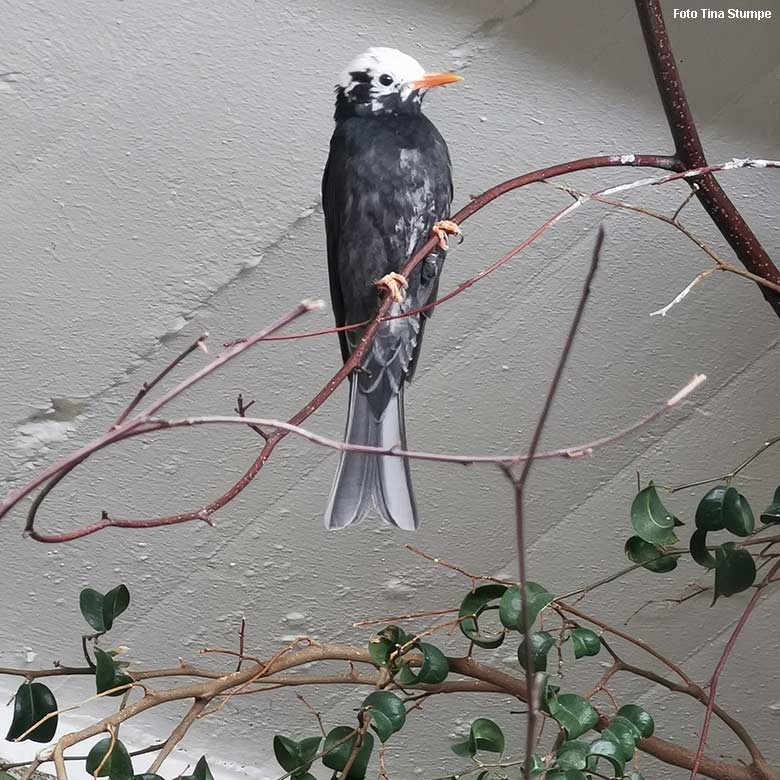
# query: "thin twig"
519,488
761,765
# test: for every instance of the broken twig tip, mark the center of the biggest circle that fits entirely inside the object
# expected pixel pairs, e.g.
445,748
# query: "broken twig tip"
313,304
697,381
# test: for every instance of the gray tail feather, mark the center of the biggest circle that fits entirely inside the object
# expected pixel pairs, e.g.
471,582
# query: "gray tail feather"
364,481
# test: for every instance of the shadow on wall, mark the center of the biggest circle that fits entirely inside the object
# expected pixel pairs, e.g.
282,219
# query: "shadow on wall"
722,61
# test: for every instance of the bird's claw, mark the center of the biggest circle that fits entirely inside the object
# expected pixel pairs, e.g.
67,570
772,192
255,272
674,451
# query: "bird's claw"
396,284
444,228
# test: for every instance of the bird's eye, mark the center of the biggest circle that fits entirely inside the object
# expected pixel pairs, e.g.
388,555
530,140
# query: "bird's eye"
386,79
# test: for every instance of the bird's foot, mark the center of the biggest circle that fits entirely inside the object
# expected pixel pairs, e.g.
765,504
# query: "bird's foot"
396,284
444,228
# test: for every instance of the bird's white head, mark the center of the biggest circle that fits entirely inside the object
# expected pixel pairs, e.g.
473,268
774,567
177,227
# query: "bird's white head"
385,81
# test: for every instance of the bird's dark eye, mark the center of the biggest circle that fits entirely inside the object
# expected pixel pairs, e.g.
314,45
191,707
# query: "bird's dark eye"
386,79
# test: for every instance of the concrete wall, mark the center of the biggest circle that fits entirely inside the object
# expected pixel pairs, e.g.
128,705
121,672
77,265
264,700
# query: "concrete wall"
159,176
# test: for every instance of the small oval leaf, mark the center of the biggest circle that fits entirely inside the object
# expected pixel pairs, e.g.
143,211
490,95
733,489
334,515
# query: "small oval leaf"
737,514
32,702
639,717
510,610
651,520
709,512
735,572
475,603
585,642
649,555
338,747
108,674
116,766
541,643
575,714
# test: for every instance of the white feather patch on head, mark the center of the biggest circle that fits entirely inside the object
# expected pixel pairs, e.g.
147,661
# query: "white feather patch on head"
379,60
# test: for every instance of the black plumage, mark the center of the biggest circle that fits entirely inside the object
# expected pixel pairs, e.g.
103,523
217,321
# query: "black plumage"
386,184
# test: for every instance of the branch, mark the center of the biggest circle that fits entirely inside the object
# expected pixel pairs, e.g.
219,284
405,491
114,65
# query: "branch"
55,473
570,452
759,763
519,487
690,153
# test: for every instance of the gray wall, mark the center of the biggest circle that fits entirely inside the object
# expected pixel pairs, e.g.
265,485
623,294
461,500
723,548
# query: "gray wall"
160,168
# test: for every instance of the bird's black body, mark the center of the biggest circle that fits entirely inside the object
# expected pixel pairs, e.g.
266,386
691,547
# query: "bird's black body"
386,183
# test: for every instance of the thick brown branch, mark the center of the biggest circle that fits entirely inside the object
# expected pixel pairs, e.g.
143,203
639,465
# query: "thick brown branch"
690,153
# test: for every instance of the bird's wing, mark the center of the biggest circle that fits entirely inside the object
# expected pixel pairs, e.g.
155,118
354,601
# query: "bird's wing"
431,267
330,207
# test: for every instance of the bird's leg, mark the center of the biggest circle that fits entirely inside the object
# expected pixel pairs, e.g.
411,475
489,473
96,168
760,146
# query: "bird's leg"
395,283
444,228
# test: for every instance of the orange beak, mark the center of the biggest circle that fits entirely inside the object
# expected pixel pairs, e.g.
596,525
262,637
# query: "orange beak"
436,80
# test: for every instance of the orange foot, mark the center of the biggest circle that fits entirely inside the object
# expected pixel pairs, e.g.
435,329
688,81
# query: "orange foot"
446,228
396,284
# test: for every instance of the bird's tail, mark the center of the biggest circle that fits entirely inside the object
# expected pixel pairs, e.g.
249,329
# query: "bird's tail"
364,481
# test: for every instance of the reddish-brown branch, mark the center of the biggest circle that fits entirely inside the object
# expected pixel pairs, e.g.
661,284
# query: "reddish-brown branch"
205,513
762,768
690,152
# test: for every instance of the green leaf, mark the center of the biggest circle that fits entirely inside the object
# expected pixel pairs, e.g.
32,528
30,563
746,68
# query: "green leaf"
735,572
771,515
385,642
624,737
202,770
652,521
639,717
699,551
118,765
434,668
541,642
108,674
649,555
287,753
572,754
382,725
387,712
484,734
737,514
622,724
337,755
91,605
309,747
115,602
575,714
609,749
295,757
487,735
585,642
100,611
143,776
32,702
709,513
548,694
473,606
465,749
510,610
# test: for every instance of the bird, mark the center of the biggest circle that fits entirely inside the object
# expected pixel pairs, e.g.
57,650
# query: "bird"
386,188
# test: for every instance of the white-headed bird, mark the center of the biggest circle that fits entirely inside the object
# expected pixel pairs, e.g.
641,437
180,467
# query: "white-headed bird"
387,187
